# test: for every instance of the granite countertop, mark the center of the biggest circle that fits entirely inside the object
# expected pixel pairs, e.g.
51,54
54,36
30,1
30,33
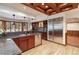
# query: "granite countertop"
8,47
23,35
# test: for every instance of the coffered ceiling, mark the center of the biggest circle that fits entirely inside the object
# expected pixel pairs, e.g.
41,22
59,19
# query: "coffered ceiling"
52,8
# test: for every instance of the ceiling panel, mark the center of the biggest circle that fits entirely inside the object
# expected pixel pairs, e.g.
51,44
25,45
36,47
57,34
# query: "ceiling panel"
52,8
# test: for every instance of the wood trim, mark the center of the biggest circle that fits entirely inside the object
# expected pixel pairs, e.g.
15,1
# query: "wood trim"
73,20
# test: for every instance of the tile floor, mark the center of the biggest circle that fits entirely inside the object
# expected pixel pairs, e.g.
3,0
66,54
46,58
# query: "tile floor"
49,48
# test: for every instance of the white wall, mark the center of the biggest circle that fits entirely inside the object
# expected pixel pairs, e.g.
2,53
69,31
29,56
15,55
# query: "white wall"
72,14
56,15
73,26
7,10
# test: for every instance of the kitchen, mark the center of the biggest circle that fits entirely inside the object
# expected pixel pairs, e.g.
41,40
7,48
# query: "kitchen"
20,34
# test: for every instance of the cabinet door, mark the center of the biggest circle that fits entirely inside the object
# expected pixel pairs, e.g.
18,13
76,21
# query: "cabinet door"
31,42
23,44
16,41
44,35
73,38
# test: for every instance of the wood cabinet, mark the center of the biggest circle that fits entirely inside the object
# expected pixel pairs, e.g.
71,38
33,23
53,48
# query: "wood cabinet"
44,35
31,42
42,29
16,41
73,38
25,43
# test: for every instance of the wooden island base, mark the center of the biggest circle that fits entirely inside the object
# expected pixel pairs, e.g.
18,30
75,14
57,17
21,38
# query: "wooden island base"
25,42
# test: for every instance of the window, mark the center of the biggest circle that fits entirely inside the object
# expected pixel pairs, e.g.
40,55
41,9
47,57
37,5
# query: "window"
1,27
12,26
25,26
18,26
8,27
40,24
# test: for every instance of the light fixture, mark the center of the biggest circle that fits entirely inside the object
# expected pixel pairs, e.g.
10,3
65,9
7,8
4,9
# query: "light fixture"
32,18
46,6
42,3
24,7
24,17
65,3
13,14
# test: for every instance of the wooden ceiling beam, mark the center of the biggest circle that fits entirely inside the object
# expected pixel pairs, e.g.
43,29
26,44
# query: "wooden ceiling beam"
49,11
75,5
35,6
53,6
38,8
44,7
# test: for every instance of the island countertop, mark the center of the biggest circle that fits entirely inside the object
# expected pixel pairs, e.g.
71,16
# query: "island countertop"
23,35
8,46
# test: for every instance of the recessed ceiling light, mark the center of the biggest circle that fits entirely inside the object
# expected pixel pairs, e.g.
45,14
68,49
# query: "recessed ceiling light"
42,3
24,7
65,3
46,6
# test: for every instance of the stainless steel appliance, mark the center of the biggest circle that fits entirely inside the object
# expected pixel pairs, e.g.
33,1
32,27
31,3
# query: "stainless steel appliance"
55,30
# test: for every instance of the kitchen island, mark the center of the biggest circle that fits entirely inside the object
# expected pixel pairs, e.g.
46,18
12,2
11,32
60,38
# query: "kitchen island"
16,44
25,42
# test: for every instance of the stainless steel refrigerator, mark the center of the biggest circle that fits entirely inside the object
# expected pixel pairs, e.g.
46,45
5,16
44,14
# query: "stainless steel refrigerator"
55,30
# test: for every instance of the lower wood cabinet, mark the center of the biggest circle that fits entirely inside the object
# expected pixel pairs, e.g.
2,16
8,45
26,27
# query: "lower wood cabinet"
31,42
16,41
73,38
25,43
